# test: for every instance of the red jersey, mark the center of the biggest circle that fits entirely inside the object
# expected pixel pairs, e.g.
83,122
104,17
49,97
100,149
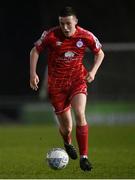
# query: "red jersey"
65,55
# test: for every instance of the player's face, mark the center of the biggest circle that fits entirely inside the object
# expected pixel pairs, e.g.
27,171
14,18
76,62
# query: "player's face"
68,25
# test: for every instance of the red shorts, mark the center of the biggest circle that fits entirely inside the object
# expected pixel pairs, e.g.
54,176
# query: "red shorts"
61,97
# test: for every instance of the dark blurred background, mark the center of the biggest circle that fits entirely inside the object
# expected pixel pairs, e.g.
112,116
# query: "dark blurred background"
22,23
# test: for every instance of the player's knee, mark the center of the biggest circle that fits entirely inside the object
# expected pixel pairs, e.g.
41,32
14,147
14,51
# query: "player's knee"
67,130
79,115
80,118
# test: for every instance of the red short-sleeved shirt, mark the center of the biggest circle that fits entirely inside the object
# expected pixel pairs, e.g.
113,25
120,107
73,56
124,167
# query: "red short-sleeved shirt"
66,72
65,55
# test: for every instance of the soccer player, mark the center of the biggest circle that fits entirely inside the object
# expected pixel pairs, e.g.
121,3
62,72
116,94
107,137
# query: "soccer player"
67,77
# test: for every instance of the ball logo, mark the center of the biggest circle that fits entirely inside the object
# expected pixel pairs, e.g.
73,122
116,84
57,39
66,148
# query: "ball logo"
79,43
57,158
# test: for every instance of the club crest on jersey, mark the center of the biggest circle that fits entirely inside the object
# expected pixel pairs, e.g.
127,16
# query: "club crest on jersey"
79,43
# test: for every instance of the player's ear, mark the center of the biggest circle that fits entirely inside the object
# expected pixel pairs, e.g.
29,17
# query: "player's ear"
76,20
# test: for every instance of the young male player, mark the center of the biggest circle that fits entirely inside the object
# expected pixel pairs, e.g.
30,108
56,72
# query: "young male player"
67,77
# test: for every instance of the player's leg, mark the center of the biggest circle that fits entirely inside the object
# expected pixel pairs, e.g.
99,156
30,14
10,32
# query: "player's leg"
79,104
61,106
65,128
65,125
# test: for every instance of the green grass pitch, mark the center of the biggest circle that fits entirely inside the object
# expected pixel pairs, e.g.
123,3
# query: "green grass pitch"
23,150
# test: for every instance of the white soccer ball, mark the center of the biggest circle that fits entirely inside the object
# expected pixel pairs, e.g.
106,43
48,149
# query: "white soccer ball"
57,158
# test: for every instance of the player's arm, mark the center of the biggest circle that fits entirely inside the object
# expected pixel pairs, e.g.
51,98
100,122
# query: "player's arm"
98,58
34,79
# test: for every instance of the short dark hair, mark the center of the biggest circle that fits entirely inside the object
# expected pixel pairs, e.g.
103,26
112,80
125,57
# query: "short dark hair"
67,11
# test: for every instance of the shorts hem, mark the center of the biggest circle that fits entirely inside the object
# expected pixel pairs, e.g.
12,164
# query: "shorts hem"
78,93
62,111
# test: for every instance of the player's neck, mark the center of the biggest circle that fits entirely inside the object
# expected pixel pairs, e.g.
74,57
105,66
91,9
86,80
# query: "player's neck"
73,33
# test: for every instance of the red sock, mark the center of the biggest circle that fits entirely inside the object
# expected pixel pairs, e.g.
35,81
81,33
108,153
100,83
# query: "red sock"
82,139
66,138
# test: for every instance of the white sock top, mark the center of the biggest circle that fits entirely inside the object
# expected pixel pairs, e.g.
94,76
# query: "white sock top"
84,156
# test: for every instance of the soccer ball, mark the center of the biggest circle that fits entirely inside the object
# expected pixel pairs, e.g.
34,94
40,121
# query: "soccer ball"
57,158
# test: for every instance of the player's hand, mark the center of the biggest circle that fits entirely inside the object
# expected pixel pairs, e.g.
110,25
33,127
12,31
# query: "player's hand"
90,77
34,80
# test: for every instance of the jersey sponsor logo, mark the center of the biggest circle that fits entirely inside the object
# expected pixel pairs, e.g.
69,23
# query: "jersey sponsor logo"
69,54
79,43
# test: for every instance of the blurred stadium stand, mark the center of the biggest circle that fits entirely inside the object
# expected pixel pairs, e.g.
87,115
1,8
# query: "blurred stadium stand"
22,24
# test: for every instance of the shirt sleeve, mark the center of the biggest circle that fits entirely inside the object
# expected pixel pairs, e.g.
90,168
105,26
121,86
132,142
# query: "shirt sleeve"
93,43
42,42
